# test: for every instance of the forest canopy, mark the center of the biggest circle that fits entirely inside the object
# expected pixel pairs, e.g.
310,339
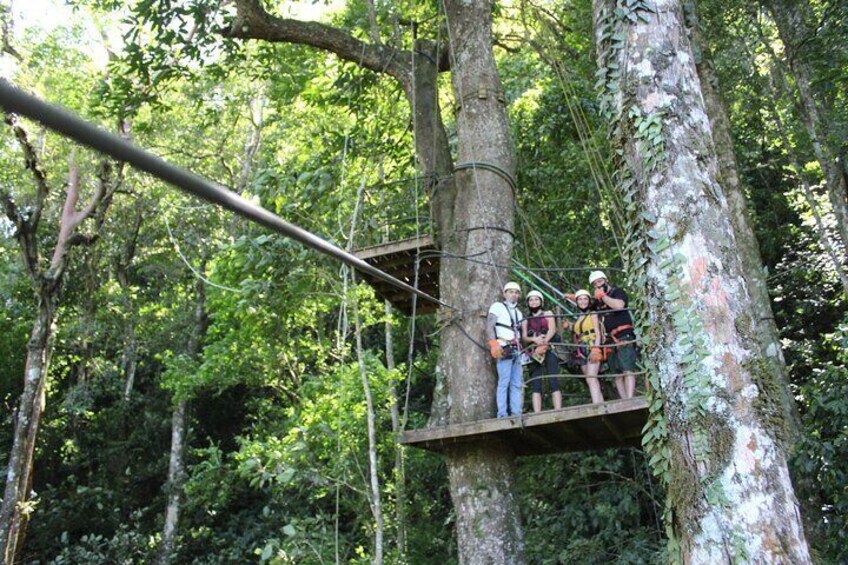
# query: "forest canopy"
182,385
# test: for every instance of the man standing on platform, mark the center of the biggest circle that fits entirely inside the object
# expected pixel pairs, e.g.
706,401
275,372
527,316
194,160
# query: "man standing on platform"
620,344
503,328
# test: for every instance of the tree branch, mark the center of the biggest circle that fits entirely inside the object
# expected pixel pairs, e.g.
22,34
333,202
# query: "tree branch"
71,219
253,22
32,164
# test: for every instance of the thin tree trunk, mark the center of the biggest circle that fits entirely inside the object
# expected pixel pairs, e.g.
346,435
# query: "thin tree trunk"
179,423
374,499
400,468
729,496
176,479
129,357
790,16
373,463
48,286
821,231
19,470
480,221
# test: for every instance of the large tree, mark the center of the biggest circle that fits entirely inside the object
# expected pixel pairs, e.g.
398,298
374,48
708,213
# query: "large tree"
716,409
473,213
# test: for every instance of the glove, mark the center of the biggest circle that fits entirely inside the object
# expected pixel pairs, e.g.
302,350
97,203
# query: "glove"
595,355
570,296
495,348
599,293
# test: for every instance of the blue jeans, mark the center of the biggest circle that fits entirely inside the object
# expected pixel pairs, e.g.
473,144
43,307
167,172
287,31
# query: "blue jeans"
510,373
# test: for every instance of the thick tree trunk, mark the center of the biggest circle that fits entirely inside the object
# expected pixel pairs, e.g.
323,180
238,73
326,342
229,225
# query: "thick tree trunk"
481,475
791,17
747,245
19,471
715,442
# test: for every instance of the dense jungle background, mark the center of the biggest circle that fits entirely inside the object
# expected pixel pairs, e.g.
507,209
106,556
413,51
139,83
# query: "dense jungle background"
175,313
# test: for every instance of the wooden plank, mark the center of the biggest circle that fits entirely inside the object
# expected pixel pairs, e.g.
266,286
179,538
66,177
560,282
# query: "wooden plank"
401,246
403,262
574,428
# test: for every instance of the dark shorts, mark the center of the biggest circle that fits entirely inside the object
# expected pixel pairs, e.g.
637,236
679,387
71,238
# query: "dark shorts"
539,373
622,359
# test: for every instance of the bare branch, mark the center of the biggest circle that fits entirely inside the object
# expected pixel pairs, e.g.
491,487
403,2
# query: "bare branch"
253,22
71,218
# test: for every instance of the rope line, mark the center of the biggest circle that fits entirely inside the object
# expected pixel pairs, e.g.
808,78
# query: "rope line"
474,165
188,264
64,122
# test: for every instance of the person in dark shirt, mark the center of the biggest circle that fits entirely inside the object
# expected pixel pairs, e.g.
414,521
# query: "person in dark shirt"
611,304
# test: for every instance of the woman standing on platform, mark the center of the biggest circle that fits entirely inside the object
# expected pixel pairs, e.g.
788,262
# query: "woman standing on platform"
540,331
587,336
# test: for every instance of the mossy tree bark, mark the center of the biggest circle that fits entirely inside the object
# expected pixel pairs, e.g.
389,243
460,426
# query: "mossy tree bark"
715,440
748,247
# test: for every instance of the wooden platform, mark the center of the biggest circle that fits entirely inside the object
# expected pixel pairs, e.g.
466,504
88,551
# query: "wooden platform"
616,423
397,258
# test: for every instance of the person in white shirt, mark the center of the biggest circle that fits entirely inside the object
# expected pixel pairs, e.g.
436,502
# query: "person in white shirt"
503,328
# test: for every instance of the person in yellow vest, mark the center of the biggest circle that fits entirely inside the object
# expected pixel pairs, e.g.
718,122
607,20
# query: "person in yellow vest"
587,336
539,331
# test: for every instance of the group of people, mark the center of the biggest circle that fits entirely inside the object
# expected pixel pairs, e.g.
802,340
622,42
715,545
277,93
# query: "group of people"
603,332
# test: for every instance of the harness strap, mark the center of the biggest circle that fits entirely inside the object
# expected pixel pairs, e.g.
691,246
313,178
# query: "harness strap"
618,330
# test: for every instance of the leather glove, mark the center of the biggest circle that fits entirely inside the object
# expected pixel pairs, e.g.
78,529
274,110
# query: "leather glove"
599,293
595,355
495,348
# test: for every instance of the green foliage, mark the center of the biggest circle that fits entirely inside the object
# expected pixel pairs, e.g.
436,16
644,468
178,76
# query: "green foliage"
605,508
821,455
277,447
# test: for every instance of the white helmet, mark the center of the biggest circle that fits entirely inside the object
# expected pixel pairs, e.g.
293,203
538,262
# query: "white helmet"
582,292
537,294
511,286
595,275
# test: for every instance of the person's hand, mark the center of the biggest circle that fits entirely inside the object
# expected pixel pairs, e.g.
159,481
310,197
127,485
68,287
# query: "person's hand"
495,348
571,296
599,293
595,355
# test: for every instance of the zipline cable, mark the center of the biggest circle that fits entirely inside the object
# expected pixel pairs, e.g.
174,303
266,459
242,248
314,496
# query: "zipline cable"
19,102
